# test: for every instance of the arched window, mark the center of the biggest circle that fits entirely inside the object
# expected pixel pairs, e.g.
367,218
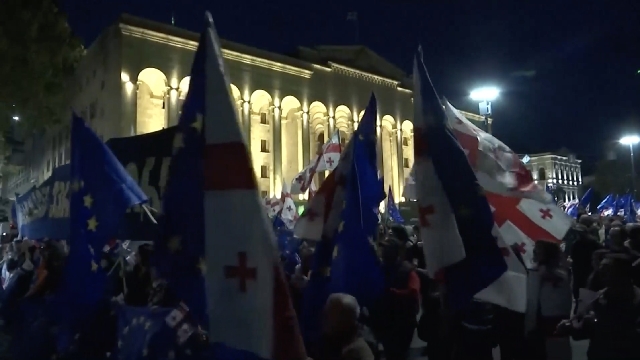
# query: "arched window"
542,174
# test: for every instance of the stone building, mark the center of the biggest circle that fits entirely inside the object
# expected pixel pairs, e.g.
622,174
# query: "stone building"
134,79
555,169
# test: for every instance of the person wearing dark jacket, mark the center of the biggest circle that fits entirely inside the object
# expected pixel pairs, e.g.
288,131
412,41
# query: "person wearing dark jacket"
582,259
393,317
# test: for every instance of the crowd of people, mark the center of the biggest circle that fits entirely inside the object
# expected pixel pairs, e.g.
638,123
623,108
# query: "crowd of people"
599,256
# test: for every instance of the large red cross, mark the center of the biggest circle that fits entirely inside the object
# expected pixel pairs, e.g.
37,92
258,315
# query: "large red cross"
424,213
241,272
521,248
233,159
506,209
546,214
330,162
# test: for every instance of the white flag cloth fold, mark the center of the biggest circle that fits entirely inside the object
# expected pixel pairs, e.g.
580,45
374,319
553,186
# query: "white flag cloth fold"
326,160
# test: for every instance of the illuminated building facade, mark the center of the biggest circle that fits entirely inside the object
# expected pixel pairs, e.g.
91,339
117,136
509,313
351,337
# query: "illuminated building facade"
134,79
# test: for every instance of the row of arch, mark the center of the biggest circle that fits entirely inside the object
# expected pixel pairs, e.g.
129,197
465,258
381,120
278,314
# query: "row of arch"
284,134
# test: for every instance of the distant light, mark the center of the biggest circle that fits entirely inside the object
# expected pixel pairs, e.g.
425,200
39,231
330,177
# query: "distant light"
630,140
16,118
485,94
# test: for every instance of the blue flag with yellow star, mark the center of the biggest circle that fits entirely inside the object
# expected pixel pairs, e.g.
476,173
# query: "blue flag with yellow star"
393,212
101,192
356,269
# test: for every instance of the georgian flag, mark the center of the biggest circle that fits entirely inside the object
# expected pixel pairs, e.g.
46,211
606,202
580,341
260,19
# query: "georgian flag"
272,205
326,160
289,212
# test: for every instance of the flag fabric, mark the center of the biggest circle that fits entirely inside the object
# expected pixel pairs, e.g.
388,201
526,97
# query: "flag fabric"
586,200
321,221
572,208
326,160
355,268
607,203
272,205
455,217
393,212
497,168
289,211
629,208
248,309
101,192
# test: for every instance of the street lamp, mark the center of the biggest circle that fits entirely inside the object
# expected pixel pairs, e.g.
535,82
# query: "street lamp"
631,140
16,118
485,96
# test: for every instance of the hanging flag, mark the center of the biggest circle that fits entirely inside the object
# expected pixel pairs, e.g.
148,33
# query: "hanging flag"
326,160
497,167
248,311
393,212
455,218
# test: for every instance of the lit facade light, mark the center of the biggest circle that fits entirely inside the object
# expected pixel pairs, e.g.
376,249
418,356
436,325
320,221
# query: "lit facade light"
630,140
485,94
125,77
16,118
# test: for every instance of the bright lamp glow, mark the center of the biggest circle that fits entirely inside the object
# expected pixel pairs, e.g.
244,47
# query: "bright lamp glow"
630,140
16,118
485,94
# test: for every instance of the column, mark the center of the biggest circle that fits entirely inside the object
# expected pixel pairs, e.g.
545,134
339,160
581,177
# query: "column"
276,150
400,153
306,139
129,109
173,108
245,115
332,127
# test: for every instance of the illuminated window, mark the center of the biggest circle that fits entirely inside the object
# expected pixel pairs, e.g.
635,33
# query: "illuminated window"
263,119
264,146
264,172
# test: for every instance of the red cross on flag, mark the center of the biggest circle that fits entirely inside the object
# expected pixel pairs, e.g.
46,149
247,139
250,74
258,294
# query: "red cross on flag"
272,205
248,304
289,212
326,160
497,168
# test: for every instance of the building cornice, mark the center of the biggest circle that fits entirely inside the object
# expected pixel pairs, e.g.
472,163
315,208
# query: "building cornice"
182,43
341,69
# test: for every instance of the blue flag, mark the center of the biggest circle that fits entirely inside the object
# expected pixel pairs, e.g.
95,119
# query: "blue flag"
180,252
586,199
608,203
332,192
455,216
144,334
629,208
392,209
101,192
356,269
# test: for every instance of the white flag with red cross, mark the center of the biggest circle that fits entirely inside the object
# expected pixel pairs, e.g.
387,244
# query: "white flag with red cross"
326,159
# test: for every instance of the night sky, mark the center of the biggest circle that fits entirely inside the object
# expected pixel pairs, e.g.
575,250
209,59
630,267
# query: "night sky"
567,68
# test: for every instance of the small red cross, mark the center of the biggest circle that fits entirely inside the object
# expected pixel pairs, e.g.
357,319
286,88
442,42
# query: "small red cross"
521,248
310,214
424,214
242,272
330,162
289,208
546,214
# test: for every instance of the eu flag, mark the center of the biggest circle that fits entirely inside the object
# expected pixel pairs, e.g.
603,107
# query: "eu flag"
179,254
393,212
356,269
143,333
101,192
608,202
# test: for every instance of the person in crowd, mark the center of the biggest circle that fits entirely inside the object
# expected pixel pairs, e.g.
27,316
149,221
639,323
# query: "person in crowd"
341,330
617,238
474,336
596,281
611,321
581,258
393,318
549,301
138,282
